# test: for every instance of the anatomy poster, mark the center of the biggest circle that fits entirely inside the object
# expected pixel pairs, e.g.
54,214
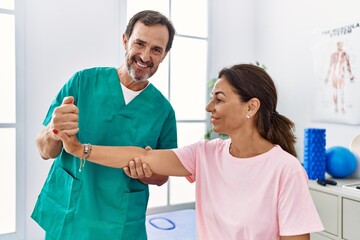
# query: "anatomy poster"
336,53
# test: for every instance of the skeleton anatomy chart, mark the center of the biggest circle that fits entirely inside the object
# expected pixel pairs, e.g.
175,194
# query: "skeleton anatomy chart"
336,55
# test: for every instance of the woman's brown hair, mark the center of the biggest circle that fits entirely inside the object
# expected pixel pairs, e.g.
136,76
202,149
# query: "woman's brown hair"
250,81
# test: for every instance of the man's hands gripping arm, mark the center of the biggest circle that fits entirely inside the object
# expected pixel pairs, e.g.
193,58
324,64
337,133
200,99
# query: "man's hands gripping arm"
64,118
143,172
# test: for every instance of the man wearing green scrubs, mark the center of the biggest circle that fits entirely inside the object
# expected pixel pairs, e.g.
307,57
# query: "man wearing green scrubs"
84,201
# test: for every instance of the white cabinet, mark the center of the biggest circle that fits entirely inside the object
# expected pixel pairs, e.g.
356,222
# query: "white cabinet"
326,205
351,219
339,210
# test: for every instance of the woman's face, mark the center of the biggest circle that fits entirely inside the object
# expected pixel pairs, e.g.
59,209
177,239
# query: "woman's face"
228,112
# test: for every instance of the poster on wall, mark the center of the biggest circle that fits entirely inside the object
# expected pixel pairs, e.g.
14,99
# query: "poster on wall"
336,58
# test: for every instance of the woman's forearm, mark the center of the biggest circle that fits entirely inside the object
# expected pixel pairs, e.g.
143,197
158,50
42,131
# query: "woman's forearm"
163,162
116,157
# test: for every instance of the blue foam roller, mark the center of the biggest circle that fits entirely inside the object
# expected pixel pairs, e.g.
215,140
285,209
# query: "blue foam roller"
315,152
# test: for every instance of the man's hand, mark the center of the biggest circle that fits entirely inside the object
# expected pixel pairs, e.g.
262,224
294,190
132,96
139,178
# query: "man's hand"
143,173
65,118
137,169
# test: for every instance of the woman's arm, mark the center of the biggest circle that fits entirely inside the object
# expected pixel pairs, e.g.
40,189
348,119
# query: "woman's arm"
163,162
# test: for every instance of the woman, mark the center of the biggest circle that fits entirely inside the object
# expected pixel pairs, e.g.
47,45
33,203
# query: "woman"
250,186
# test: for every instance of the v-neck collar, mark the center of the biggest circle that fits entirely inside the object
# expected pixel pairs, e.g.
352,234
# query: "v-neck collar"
115,90
118,95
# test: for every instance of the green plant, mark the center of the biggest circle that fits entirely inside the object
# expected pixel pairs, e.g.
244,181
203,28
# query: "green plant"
260,65
210,134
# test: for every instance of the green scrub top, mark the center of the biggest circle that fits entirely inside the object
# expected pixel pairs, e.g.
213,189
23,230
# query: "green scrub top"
102,202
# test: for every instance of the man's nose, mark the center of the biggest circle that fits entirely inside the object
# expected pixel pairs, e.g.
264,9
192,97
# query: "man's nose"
145,55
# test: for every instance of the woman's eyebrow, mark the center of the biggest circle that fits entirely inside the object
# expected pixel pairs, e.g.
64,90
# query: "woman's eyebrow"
219,92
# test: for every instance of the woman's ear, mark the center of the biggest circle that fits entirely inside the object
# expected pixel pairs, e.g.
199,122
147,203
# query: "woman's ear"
253,106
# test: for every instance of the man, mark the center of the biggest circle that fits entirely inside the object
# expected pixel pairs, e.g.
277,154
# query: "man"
107,106
339,60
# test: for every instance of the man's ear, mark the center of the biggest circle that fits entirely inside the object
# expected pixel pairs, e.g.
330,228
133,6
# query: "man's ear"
124,40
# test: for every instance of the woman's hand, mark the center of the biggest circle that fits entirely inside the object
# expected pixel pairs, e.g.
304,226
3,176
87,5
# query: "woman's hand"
71,144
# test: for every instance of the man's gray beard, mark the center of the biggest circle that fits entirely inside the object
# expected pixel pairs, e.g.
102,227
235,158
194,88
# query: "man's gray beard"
136,79
131,73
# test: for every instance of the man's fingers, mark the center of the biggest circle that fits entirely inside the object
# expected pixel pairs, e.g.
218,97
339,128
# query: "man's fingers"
127,171
66,108
65,125
138,168
132,170
147,171
63,115
68,100
71,132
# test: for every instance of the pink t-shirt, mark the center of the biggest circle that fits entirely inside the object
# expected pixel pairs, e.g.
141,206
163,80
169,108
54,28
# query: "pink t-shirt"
258,198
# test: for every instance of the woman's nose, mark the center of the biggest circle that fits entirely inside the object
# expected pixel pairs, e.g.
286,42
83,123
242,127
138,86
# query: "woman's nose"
209,107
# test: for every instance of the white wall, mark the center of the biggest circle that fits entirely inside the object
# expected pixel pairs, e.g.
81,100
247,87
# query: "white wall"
231,33
61,37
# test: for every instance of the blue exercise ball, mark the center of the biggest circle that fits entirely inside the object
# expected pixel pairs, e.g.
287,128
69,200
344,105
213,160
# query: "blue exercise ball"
340,162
